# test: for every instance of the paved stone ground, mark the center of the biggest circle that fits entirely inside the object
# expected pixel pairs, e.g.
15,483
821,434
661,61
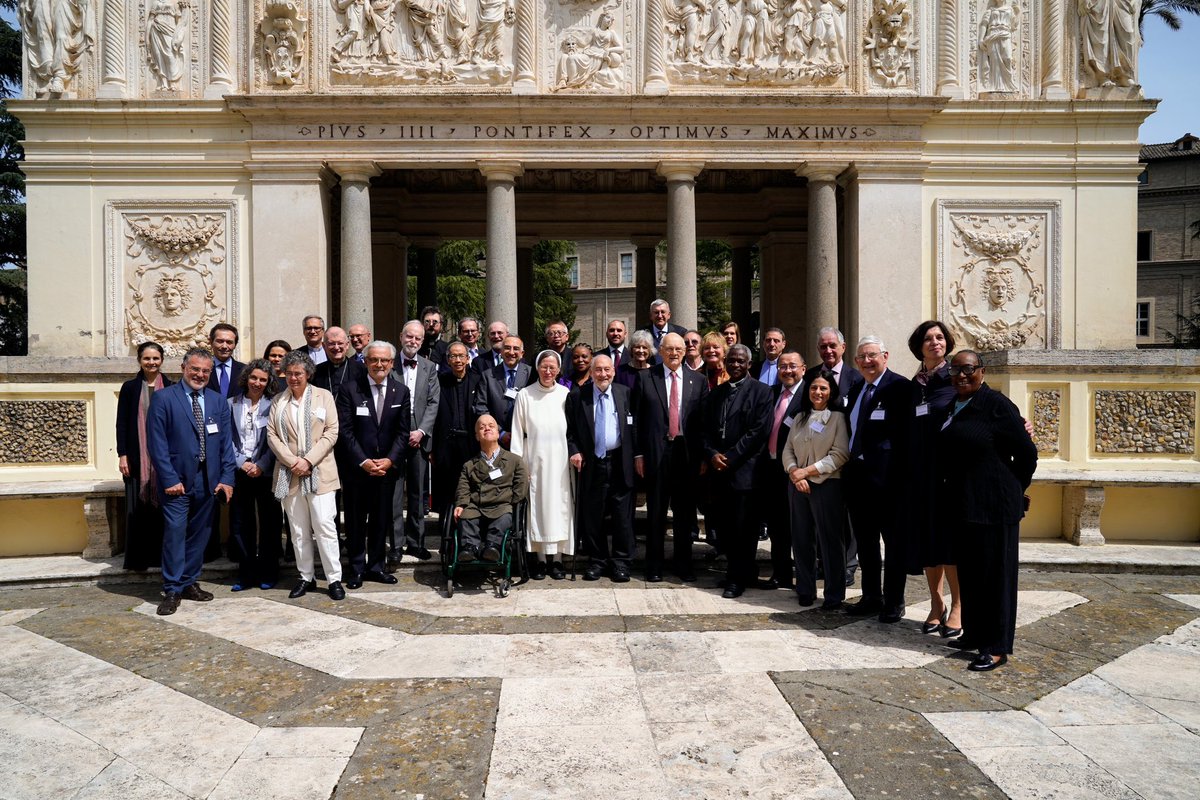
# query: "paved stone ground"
575,689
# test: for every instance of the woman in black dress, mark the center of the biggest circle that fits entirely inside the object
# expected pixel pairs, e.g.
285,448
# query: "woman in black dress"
986,460
143,517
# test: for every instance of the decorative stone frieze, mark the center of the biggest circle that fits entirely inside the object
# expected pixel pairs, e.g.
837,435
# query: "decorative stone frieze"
1109,39
167,41
890,44
59,38
171,273
43,432
282,43
1047,420
1145,421
999,266
589,43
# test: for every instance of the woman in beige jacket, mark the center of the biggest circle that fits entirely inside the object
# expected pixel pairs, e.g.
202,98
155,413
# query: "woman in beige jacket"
302,431
816,449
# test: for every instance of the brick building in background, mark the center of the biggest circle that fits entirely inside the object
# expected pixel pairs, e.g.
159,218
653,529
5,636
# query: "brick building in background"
1168,252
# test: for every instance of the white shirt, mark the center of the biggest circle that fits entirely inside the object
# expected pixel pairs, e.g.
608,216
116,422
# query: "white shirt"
317,354
409,373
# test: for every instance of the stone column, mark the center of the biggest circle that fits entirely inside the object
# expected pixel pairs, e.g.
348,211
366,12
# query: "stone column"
681,239
645,277
221,33
947,58
656,63
525,323
289,251
1053,87
112,73
501,300
740,285
821,299
426,274
525,49
357,284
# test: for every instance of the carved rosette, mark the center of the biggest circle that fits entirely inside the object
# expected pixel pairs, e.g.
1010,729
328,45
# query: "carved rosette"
890,45
281,44
998,274
169,273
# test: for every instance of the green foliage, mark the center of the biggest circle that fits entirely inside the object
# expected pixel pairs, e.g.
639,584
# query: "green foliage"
552,287
1187,327
461,292
14,300
14,305
714,261
1168,11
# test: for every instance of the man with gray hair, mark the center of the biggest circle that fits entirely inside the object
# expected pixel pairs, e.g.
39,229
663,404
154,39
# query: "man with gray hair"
831,346
420,375
497,332
314,338
468,334
660,322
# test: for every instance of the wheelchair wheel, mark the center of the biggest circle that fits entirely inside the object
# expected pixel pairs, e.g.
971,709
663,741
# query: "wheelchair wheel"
502,587
449,587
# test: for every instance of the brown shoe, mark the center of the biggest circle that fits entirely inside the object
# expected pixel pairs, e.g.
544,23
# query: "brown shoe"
169,604
194,592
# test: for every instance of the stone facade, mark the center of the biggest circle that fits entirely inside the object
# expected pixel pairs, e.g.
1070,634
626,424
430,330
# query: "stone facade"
1145,422
43,432
1047,420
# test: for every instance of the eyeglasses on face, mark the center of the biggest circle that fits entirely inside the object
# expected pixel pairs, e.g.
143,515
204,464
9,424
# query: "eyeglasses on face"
964,369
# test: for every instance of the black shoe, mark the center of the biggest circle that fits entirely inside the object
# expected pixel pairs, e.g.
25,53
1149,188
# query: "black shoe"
620,575
865,607
849,578
194,592
891,617
490,553
653,577
948,633
712,555
379,577
831,605
336,592
354,581
732,590
419,552
302,588
985,663
537,570
169,604
763,534
466,554
593,572
805,600
556,570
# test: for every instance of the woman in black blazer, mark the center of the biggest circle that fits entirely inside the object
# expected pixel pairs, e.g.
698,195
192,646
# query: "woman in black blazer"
986,461
256,545
143,517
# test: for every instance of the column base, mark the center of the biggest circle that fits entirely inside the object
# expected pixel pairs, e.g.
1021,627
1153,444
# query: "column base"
111,90
1055,93
656,86
215,91
525,86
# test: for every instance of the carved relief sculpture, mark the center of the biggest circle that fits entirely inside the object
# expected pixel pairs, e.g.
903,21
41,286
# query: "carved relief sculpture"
283,34
1109,40
756,42
890,42
166,36
56,33
591,57
997,72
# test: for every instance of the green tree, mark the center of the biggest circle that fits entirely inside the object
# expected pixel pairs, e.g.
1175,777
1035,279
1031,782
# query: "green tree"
1187,327
552,287
1168,11
714,261
14,302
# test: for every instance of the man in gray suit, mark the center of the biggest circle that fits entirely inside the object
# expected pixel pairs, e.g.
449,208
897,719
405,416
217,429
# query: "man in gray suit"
420,375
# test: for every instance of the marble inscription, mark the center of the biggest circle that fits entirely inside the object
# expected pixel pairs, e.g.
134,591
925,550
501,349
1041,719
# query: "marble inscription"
789,133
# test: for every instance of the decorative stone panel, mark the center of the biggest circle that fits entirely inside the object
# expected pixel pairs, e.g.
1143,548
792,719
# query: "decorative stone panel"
1001,37
171,272
1047,420
998,273
591,46
1141,421
43,432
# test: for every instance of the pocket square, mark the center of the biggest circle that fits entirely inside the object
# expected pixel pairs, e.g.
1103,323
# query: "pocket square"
398,405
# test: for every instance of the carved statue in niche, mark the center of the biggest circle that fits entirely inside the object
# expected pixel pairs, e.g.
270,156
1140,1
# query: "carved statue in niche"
1110,39
997,26
166,35
56,34
172,291
458,29
890,42
760,42
494,15
591,58
283,33
998,270
424,18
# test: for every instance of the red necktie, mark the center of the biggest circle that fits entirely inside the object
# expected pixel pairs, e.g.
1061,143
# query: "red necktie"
780,409
673,408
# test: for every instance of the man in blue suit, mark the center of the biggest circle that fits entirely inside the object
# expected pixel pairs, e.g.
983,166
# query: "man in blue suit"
191,446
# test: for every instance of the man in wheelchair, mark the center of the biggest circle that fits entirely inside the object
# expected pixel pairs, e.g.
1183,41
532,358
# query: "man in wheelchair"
490,486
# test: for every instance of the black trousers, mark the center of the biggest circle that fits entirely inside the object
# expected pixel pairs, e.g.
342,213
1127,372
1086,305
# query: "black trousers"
672,484
817,521
873,517
480,532
254,519
737,529
602,494
369,519
987,573
773,492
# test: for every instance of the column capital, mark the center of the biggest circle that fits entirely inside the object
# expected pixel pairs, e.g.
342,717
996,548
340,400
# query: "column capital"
822,170
355,171
680,170
500,170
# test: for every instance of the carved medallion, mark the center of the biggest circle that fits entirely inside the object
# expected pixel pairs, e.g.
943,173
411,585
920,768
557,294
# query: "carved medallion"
282,43
890,43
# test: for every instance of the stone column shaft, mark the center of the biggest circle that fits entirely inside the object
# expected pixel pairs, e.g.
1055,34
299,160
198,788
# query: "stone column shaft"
358,304
645,278
656,70
525,49
1053,87
220,49
501,297
948,59
681,240
112,74
822,295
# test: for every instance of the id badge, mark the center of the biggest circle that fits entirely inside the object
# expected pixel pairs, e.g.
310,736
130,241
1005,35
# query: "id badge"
923,409
211,427
362,411
510,393
494,474
789,421
817,427
319,413
260,422
879,414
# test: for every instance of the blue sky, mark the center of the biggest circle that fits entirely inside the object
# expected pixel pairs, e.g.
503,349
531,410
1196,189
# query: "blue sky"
1168,70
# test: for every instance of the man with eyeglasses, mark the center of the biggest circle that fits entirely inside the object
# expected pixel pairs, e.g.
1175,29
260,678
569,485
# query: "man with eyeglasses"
433,347
468,334
880,416
314,338
771,481
360,336
453,440
420,375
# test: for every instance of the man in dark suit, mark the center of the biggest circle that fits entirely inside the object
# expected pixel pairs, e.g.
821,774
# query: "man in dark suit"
558,339
453,430
772,481
831,346
498,394
433,347
373,422
223,341
616,350
600,440
360,337
766,369
420,375
339,367
879,415
660,324
735,431
669,452
190,440
493,356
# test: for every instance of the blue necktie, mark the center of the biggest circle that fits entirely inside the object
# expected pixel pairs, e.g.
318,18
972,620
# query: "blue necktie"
601,418
224,380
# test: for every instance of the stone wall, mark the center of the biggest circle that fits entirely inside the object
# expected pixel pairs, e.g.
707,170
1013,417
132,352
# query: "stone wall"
43,432
1145,422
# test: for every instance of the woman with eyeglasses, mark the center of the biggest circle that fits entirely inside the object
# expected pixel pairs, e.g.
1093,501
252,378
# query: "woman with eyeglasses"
691,351
985,460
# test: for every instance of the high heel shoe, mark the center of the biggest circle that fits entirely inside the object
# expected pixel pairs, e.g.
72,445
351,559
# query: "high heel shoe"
948,633
936,625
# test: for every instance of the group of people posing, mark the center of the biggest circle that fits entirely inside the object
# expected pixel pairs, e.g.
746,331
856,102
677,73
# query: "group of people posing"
830,460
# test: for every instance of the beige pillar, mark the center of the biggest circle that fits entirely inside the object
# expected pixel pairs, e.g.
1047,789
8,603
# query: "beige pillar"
525,35
501,302
358,304
525,322
681,239
948,59
821,297
1053,86
645,277
289,249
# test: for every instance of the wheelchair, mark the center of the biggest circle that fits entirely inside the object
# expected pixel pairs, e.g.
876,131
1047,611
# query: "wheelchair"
499,573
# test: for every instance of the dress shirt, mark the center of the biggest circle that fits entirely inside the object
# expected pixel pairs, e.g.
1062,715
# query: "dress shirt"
219,365
769,372
317,354
612,431
862,394
249,432
410,375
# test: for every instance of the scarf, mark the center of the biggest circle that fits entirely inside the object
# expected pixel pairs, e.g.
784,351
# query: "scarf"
308,484
922,376
146,476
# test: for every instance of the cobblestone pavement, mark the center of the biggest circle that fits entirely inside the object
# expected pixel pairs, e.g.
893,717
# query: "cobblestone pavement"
587,689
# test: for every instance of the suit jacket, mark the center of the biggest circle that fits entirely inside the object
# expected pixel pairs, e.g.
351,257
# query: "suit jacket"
491,399
127,421
361,436
883,441
235,372
424,398
332,379
850,380
744,434
324,436
262,456
435,351
793,408
671,328
581,427
652,414
484,362
450,391
174,436
480,495
610,351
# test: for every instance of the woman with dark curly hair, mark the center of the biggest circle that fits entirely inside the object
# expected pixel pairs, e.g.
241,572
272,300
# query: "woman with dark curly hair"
257,544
